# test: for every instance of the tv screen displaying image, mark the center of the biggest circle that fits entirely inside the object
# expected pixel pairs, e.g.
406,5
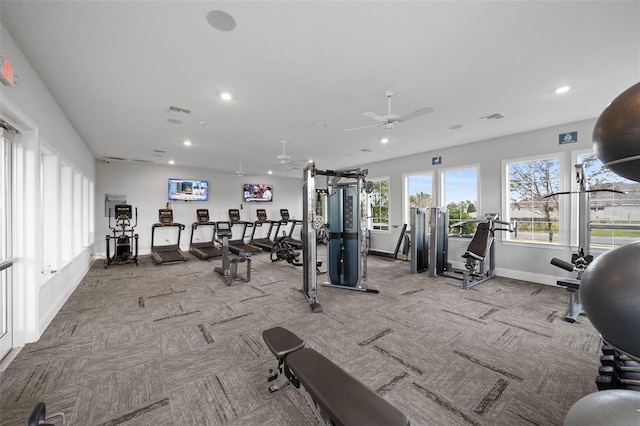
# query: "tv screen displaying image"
257,192
188,190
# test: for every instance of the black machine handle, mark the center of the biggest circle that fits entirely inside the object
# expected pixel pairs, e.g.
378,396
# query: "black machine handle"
567,266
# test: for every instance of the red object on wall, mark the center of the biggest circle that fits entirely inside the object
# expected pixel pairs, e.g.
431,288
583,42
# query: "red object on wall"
7,71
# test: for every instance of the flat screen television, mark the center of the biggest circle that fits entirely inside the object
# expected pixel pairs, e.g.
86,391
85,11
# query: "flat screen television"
257,192
188,190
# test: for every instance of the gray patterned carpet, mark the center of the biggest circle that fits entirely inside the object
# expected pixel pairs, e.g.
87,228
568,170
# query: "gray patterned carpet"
174,345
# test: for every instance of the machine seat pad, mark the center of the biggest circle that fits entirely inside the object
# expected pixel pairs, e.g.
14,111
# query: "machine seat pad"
479,243
341,397
569,283
281,341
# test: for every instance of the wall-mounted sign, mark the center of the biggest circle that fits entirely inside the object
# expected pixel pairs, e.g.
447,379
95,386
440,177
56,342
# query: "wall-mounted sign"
111,201
436,161
570,137
7,71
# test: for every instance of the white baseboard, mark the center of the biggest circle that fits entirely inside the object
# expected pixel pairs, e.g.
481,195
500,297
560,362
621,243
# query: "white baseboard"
527,276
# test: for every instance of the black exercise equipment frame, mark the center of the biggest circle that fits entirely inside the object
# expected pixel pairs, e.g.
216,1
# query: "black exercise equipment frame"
123,237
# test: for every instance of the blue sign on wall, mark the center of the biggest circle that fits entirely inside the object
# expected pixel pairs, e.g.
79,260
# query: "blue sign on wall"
570,137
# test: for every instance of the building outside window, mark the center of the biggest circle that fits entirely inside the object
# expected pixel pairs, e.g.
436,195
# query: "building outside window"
609,208
535,216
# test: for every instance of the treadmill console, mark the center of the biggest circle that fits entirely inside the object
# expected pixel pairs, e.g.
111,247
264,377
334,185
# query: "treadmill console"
203,215
224,229
262,215
234,215
165,216
284,214
123,212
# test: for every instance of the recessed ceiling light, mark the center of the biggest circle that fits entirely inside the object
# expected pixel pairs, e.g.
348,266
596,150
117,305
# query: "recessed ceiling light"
226,96
562,89
172,162
270,172
187,143
384,140
221,21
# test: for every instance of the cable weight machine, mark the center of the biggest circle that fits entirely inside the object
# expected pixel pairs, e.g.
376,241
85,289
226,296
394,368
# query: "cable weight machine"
347,246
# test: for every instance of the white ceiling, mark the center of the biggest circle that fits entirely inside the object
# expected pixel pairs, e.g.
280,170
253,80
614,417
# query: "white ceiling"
303,71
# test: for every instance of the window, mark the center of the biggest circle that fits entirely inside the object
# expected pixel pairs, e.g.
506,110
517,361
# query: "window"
460,196
535,217
609,208
77,212
418,193
379,205
66,213
49,197
85,211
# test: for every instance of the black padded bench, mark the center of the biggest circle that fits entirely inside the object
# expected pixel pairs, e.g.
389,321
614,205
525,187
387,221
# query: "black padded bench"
479,244
335,397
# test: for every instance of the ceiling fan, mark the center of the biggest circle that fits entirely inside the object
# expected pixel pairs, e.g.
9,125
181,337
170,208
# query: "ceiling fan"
390,120
240,172
284,158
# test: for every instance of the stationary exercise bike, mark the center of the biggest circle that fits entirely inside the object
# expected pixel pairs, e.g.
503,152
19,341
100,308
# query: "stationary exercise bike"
282,250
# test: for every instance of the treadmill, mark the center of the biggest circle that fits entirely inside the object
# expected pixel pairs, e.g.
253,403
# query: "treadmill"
284,215
265,243
166,253
237,246
205,249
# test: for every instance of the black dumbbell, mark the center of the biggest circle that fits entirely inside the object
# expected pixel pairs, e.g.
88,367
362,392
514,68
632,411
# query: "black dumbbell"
611,378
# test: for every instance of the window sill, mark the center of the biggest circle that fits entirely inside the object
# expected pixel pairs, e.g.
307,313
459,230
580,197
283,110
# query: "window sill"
550,246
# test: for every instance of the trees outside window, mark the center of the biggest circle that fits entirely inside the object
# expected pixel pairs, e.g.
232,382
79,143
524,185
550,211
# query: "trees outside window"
608,207
460,189
534,214
379,205
419,190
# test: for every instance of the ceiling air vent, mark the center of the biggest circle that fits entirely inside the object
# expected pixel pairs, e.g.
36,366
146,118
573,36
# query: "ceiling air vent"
143,161
365,150
495,116
159,152
114,159
178,110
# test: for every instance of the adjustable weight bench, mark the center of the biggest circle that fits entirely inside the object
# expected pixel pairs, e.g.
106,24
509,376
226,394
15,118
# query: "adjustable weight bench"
334,396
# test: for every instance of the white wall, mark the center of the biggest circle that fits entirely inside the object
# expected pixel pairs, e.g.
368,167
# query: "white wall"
31,107
515,260
146,188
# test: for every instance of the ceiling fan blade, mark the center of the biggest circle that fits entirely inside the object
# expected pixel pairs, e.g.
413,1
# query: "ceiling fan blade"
414,114
363,127
375,116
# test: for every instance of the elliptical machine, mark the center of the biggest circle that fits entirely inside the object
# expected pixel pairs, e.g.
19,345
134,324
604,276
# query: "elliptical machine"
123,237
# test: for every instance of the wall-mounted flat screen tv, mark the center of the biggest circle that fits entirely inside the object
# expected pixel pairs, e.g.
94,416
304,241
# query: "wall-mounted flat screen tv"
257,192
188,190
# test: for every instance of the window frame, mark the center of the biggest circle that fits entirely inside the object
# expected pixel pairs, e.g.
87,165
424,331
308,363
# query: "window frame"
575,157
563,215
442,187
369,206
406,208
